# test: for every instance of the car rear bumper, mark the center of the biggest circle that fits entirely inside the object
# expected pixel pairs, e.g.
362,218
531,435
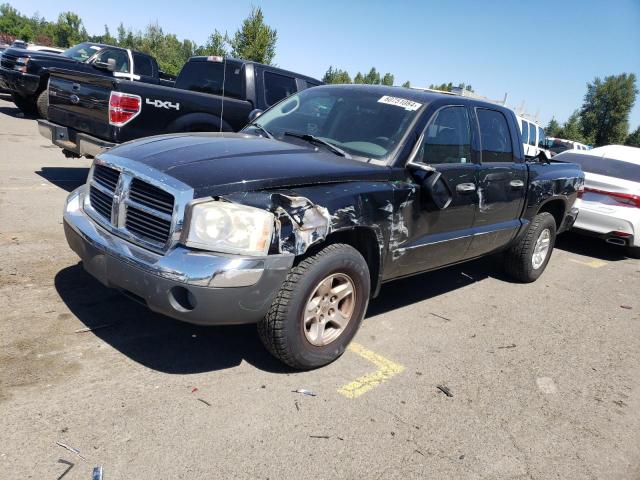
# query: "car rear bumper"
619,225
71,140
193,286
24,84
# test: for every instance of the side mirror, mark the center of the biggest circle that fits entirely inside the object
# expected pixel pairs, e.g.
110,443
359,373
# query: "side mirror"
109,65
434,187
253,114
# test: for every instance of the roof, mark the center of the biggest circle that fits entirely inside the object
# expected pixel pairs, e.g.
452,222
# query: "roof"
218,59
616,152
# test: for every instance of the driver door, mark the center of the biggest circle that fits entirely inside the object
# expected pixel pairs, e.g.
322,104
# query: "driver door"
442,236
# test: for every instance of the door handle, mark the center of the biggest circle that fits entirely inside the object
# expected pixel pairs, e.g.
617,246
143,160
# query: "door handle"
466,187
516,183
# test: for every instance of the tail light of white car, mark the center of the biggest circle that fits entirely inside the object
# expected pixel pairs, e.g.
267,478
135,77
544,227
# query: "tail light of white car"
123,107
628,199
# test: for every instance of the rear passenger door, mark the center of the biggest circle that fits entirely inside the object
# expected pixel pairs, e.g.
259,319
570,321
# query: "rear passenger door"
143,68
501,182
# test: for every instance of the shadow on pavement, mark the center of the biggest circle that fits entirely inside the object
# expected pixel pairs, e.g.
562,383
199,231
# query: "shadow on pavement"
590,247
170,346
67,178
156,341
12,110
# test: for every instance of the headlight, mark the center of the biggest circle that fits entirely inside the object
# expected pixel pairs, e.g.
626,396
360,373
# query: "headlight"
230,228
21,64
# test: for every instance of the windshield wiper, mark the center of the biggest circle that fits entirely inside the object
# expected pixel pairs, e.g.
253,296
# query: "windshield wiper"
262,129
313,139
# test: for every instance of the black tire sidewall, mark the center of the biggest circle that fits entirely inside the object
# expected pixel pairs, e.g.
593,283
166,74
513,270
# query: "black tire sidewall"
544,222
344,261
42,104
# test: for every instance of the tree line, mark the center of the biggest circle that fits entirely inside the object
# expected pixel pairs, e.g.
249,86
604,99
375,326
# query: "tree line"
603,118
253,40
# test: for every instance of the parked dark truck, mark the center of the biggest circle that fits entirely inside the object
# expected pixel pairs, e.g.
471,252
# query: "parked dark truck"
296,222
88,113
26,73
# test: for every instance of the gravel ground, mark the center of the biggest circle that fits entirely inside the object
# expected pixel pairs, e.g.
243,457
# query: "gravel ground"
544,378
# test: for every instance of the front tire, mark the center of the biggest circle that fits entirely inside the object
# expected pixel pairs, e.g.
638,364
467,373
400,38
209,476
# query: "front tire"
318,309
526,260
42,104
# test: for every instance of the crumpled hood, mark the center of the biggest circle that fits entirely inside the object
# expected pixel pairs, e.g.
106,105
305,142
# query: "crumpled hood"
222,163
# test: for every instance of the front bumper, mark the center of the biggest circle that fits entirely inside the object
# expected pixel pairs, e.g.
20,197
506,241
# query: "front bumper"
71,140
193,286
25,84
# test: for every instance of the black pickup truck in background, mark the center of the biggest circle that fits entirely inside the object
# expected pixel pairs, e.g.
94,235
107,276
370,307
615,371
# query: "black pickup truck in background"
297,221
25,73
88,112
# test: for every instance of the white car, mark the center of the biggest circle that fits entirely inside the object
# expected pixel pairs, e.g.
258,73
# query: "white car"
610,204
534,141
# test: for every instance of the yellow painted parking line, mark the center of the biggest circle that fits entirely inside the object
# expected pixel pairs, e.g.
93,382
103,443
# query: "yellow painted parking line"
386,370
593,263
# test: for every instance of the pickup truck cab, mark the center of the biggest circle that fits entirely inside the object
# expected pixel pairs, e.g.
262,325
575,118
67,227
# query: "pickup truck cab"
25,72
88,113
295,222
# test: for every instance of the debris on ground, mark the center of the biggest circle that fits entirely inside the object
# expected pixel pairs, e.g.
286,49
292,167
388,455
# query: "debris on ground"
194,389
468,276
91,329
440,316
626,307
297,405
445,390
71,449
511,345
418,451
319,436
97,473
302,391
204,401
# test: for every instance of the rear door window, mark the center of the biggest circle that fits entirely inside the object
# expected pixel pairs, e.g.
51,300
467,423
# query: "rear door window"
208,77
142,65
494,136
277,87
541,138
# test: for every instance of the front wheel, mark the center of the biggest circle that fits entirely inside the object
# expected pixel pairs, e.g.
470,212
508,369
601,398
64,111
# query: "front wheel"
318,309
527,259
42,104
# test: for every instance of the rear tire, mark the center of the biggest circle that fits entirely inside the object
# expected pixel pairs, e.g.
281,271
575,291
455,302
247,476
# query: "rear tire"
633,252
27,105
42,104
526,260
290,330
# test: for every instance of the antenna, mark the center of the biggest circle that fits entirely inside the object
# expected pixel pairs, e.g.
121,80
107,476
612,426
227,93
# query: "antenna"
224,81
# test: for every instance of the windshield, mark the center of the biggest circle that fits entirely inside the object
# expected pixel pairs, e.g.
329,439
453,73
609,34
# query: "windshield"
82,52
362,122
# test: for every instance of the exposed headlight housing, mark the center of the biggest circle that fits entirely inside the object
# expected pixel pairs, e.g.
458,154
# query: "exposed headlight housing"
21,64
230,228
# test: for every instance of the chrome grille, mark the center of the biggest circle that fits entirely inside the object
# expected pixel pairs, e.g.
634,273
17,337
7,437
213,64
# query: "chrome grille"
101,202
150,196
128,199
147,225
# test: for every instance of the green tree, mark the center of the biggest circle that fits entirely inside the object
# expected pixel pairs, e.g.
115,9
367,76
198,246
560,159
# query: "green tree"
606,107
372,78
573,129
553,127
407,84
69,30
255,40
217,45
633,139
335,75
358,78
387,79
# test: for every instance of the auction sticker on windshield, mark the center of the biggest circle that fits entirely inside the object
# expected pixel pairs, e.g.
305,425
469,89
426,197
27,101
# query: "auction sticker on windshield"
400,102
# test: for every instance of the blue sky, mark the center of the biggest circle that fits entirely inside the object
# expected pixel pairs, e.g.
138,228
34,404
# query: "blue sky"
540,52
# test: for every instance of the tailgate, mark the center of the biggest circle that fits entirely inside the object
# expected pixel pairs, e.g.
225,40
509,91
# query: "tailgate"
81,101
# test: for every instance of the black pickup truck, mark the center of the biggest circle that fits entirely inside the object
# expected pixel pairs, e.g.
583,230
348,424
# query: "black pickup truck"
88,113
25,73
295,222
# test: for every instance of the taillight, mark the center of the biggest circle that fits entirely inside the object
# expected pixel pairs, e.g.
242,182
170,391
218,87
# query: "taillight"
628,199
581,191
123,107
